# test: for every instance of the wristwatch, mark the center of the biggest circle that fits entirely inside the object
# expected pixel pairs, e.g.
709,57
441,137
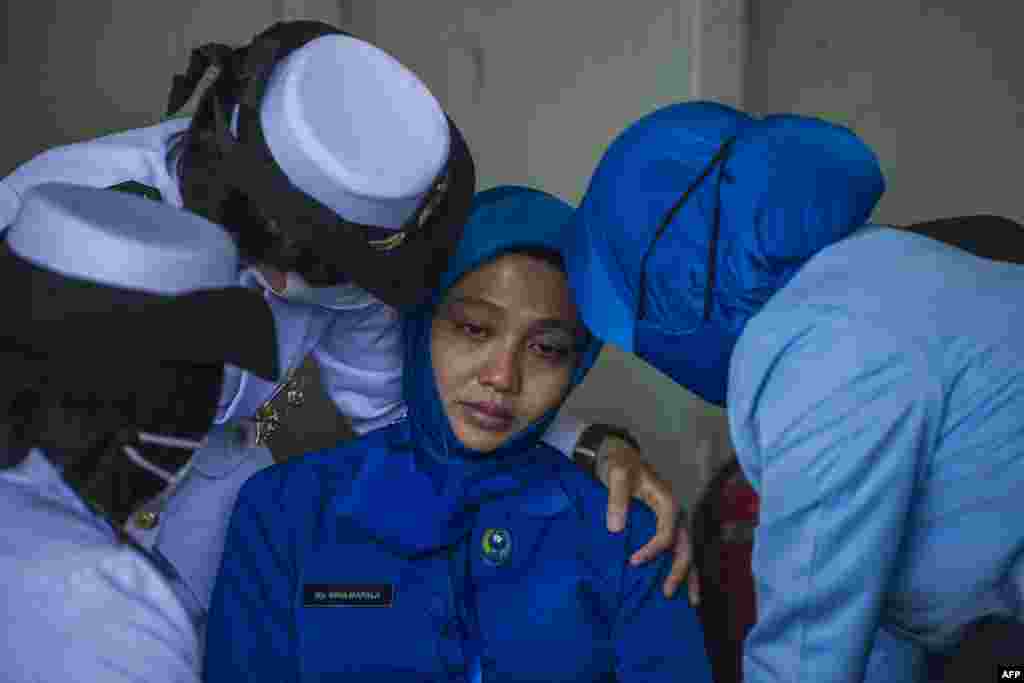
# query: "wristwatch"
586,454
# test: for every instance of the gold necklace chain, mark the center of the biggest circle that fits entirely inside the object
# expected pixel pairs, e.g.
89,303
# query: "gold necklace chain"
268,416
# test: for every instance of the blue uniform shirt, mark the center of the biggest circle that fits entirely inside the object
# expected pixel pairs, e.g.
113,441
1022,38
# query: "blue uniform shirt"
537,590
877,404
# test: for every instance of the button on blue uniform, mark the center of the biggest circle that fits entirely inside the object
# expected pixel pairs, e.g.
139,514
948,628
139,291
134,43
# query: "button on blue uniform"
496,545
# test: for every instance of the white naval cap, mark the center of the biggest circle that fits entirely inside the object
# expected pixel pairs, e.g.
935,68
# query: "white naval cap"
355,129
121,240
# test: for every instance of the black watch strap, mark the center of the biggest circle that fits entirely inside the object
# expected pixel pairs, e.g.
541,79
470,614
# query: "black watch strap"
585,454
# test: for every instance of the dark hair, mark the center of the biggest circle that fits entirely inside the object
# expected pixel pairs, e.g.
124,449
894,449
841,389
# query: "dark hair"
39,411
78,430
991,237
195,156
82,414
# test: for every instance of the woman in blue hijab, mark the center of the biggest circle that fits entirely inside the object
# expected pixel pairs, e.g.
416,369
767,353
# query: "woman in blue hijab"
455,545
873,378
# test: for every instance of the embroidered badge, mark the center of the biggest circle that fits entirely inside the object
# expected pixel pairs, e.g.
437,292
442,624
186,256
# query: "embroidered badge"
348,595
496,545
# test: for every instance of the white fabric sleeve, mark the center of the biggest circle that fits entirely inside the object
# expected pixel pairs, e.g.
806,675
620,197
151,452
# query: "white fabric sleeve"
113,619
360,358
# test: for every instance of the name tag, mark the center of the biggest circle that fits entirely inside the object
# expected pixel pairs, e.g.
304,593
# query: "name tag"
348,595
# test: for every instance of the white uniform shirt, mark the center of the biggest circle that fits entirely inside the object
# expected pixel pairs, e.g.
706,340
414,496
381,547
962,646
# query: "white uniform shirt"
357,346
77,605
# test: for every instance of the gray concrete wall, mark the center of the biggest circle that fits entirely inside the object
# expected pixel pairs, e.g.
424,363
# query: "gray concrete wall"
935,86
75,70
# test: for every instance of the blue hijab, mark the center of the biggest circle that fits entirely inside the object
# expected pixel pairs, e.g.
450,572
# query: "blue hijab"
774,190
420,493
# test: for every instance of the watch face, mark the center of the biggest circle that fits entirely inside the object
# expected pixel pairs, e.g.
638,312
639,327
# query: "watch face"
584,455
586,459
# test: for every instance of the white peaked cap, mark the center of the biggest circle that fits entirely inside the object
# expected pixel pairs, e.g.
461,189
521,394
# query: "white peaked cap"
121,240
355,129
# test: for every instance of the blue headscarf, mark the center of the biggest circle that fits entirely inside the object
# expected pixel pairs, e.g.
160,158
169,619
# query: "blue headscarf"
502,219
777,190
433,479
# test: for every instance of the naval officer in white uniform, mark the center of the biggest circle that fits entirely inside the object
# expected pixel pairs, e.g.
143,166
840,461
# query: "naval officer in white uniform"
106,394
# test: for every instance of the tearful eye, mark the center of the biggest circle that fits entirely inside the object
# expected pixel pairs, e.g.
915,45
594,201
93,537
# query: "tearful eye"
552,351
474,331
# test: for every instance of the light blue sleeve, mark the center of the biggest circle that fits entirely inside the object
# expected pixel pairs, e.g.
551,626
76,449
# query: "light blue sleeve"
250,633
830,419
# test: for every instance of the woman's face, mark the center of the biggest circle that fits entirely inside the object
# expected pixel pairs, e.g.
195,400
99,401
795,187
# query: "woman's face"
503,344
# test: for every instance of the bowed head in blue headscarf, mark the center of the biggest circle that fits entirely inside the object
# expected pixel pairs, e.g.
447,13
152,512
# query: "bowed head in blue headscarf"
438,478
696,215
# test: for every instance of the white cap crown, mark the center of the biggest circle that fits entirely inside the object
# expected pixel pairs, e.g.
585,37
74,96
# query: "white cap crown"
356,130
121,240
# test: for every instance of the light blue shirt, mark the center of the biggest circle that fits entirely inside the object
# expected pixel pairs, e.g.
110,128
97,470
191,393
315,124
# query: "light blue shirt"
877,405
77,605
